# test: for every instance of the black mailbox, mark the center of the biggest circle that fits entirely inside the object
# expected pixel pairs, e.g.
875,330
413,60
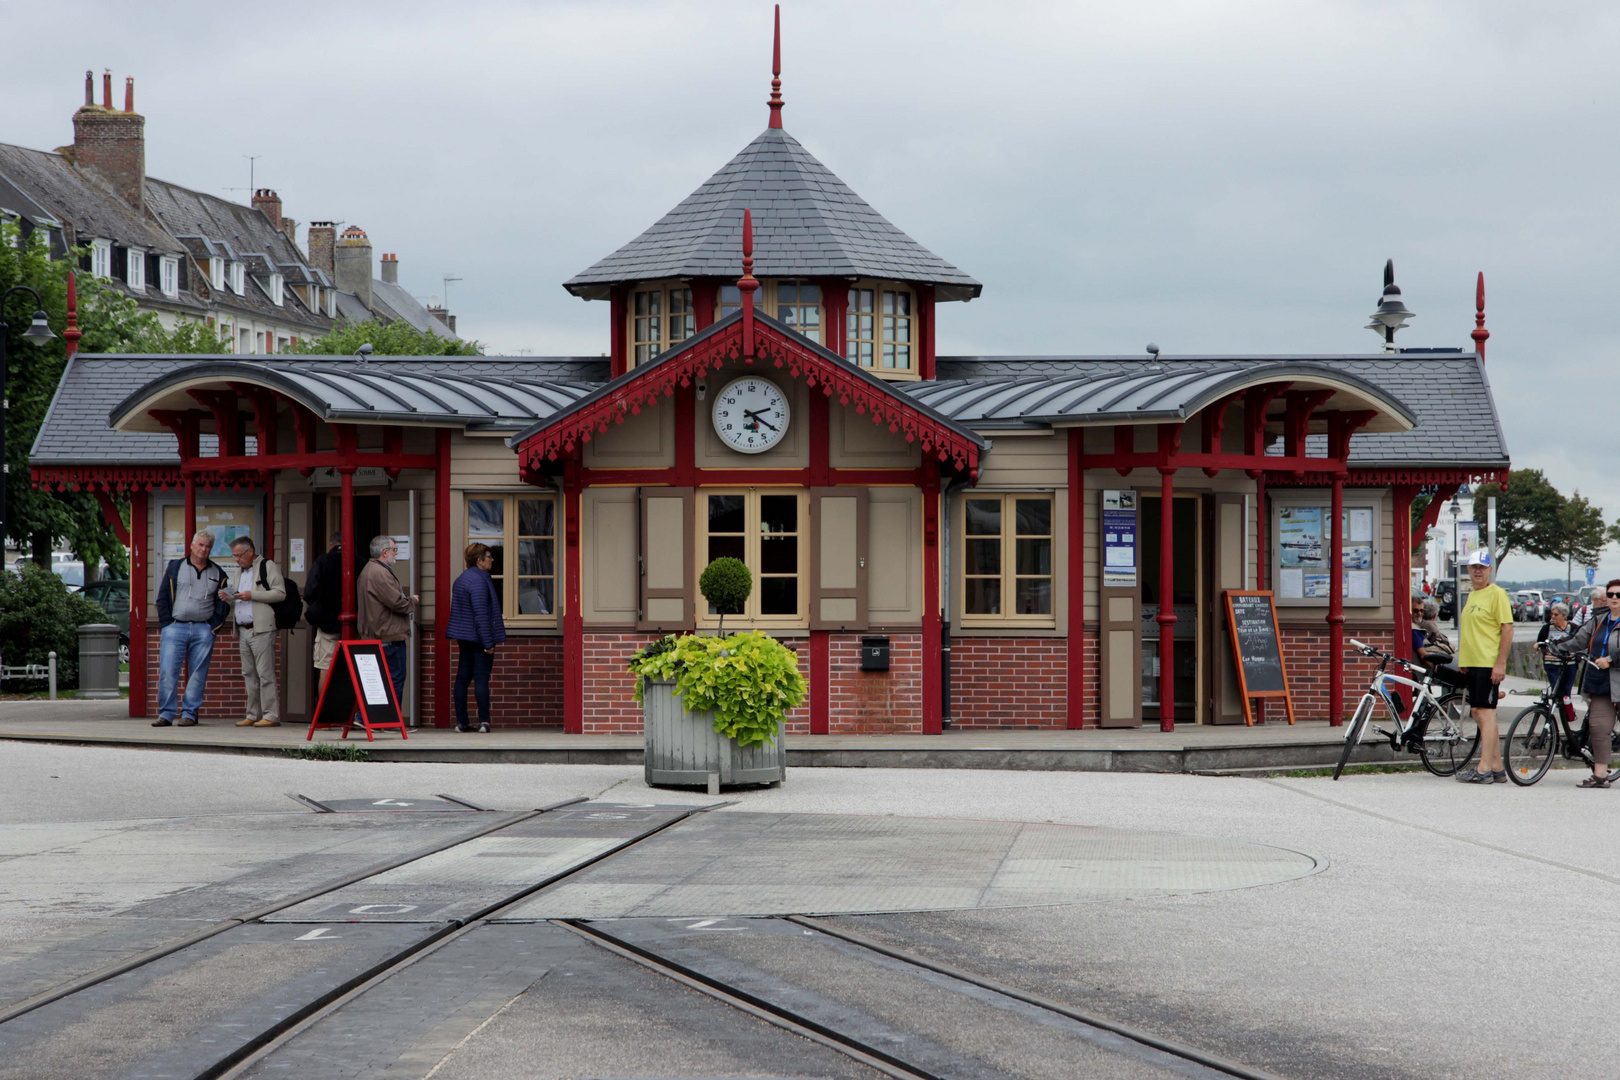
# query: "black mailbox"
874,654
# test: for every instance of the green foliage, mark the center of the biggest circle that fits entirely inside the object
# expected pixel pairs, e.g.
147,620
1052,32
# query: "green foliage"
395,339
328,752
1528,513
749,681
1582,533
38,615
726,583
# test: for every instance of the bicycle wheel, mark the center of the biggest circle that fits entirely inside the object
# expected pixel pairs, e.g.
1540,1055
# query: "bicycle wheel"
1352,736
1453,737
1532,740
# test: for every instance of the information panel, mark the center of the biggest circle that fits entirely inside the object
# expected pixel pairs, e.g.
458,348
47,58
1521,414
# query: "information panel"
358,691
1118,531
1257,649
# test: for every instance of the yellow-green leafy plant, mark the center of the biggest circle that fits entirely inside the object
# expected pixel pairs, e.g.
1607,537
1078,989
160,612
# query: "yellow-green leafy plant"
748,681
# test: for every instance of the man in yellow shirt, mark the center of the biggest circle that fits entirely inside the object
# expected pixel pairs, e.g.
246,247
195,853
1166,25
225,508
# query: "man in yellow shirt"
1487,636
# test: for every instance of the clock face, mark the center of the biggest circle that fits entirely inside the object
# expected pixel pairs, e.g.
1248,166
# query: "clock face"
751,414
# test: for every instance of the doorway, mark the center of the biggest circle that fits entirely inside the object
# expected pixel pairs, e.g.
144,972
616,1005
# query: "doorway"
367,521
1187,602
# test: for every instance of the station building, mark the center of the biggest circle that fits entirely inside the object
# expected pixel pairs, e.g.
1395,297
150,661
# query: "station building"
1030,542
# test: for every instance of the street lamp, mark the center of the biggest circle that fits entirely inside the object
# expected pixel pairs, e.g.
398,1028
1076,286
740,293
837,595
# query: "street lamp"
38,333
1392,313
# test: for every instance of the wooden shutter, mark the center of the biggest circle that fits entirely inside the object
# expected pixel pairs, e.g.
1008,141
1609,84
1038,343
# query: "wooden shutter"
838,557
668,580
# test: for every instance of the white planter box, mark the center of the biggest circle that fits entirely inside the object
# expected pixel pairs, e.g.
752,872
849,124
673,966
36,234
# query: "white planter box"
683,749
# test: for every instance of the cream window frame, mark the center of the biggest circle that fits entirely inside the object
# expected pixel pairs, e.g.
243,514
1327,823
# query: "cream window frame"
767,300
662,329
877,339
135,268
169,276
1008,574
752,535
101,258
510,581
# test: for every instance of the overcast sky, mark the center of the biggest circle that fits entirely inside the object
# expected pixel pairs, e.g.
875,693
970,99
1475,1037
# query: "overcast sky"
1217,176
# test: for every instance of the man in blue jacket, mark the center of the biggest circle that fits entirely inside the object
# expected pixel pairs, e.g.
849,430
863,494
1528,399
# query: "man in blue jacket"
191,610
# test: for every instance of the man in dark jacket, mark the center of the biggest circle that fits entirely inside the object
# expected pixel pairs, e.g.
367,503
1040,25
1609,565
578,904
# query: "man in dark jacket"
323,592
191,610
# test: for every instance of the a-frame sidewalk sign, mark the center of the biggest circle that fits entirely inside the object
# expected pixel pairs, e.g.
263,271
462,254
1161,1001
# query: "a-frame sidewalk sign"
357,683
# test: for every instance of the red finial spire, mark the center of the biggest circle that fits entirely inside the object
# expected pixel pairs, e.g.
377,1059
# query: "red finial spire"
72,334
776,72
1480,334
746,285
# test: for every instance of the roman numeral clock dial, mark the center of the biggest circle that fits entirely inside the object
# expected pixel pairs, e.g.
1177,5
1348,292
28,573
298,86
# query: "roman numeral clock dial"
751,414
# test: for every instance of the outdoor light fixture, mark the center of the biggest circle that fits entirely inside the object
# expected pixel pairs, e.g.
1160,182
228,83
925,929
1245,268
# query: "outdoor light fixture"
1392,314
39,333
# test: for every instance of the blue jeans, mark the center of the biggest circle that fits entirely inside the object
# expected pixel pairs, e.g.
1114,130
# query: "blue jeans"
191,644
474,667
394,654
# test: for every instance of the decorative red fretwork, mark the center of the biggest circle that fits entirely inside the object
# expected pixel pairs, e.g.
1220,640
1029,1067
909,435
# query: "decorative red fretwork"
112,478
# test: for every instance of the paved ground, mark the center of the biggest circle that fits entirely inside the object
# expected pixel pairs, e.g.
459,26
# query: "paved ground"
1404,955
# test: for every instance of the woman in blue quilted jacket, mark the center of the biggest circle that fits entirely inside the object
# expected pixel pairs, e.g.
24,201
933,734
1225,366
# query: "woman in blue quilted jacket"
476,626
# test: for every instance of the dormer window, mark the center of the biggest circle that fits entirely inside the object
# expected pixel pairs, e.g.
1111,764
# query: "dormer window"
238,278
135,273
660,317
276,287
879,332
101,258
795,301
169,275
216,272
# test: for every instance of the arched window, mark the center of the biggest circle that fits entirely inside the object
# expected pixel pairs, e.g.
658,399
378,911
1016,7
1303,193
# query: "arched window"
660,316
880,328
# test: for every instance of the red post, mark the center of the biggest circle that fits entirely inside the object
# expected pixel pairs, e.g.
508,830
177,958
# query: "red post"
618,340
1077,579
347,616
925,342
72,334
820,682
1335,615
1262,557
835,313
933,702
746,285
139,579
776,72
573,622
190,515
268,479
1167,597
444,570
1401,573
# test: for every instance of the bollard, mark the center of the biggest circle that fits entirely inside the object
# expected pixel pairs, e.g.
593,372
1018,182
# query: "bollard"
52,659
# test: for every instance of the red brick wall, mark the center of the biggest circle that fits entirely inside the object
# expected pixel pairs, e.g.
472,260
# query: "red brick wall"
610,689
871,702
1306,654
525,687
1009,682
225,699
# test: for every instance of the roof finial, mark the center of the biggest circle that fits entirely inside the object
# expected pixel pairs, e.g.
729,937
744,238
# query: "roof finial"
72,334
1480,334
776,72
746,285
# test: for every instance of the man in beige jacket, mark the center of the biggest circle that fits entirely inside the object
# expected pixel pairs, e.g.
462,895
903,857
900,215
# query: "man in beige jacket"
385,610
256,631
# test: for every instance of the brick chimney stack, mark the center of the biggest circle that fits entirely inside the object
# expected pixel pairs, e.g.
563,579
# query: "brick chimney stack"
322,242
268,203
110,145
390,269
353,264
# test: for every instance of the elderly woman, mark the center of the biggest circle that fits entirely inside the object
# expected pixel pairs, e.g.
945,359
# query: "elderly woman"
1559,670
1599,638
476,626
1436,648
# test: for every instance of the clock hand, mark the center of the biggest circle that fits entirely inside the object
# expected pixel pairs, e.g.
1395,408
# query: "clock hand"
759,420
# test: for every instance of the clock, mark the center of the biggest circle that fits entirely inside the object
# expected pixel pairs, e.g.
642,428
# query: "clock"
751,414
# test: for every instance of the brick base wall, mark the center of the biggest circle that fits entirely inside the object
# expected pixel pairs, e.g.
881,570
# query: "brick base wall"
1009,682
226,698
1306,654
872,702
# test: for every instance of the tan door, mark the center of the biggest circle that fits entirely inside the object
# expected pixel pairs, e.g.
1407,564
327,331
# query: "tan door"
299,550
1227,560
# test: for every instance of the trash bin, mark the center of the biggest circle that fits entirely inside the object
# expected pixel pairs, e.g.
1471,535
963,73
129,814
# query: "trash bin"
98,661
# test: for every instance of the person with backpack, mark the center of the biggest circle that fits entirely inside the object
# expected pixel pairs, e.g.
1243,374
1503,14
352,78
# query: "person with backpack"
259,585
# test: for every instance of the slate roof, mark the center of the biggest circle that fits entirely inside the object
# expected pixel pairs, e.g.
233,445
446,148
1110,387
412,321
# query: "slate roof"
397,303
806,222
1446,392
50,180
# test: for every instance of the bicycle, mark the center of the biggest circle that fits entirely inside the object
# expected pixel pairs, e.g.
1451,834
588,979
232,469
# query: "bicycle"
1546,729
1439,728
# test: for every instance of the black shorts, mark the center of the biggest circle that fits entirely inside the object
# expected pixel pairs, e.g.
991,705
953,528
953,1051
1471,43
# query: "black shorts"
1482,693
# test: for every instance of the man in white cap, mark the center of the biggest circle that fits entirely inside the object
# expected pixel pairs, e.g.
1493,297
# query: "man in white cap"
1487,636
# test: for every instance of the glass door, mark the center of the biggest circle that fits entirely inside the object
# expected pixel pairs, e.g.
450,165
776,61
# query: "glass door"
1186,591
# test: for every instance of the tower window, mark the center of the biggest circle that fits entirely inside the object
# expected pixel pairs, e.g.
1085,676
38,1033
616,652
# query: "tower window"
659,318
879,329
794,301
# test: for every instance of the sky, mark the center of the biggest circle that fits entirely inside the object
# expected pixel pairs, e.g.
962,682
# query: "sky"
1215,176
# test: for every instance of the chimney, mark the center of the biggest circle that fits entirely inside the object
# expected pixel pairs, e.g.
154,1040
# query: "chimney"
322,241
443,316
352,261
390,269
268,203
110,145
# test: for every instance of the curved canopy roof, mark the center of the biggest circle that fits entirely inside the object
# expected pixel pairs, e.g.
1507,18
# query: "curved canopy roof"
362,393
807,222
1175,391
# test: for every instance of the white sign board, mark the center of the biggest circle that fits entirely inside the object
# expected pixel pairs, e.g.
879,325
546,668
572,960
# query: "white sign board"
1118,530
372,683
295,555
404,545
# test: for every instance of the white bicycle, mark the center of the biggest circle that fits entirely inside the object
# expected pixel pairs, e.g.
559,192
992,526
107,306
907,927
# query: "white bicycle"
1439,727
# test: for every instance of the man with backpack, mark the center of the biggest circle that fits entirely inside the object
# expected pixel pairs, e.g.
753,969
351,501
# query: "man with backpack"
259,585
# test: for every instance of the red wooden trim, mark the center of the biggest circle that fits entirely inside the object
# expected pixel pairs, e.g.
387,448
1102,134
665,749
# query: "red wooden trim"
933,703
1335,614
747,285
326,460
109,514
630,478
685,471
1167,602
820,682
835,313
820,471
1431,513
1262,516
1213,463
347,616
264,415
444,557
755,477
925,312
185,425
139,580
705,298
1479,333
222,404
1401,556
394,449
190,517
573,622
619,313
1077,579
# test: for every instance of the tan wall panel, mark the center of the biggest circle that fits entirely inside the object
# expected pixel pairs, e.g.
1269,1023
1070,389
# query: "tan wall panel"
854,442
666,559
792,452
1121,608
609,527
1026,461
483,463
1122,676
894,548
838,543
839,609
665,609
646,440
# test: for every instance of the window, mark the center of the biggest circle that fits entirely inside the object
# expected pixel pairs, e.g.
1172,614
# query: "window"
798,303
247,341
276,285
237,282
135,275
879,329
767,530
659,319
101,258
1007,560
216,272
169,275
526,526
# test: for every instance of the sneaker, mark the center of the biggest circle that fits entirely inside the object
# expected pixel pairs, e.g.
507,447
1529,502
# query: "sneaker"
483,729
1474,776
463,728
160,722
249,722
186,721
267,723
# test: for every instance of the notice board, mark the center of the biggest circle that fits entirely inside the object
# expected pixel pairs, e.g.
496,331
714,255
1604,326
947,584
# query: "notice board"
358,690
1251,617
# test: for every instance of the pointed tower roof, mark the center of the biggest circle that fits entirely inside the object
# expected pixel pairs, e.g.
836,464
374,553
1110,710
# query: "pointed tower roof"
809,224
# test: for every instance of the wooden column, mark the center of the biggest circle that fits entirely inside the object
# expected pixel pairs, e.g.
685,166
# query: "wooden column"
346,616
820,640
190,514
1262,561
444,555
932,697
573,622
925,342
1401,568
139,580
268,480
618,344
1335,615
1077,579
834,313
1167,615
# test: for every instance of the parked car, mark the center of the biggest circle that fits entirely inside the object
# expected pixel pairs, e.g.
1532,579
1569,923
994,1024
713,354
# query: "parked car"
1534,605
112,596
1445,594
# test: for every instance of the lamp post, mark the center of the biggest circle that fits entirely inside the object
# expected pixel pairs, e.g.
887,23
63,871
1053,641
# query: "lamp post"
38,333
1392,313
1456,566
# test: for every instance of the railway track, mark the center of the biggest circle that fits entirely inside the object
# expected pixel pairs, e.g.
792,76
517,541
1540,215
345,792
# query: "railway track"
321,977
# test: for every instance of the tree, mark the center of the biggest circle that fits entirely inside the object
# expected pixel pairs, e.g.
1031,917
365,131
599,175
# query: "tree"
110,322
1528,516
393,339
1582,534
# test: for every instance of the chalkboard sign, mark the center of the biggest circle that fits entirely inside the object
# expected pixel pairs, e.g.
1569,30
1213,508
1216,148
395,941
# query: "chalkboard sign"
1256,649
357,689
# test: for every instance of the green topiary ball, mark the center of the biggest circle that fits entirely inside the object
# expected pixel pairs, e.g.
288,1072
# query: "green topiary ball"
726,583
